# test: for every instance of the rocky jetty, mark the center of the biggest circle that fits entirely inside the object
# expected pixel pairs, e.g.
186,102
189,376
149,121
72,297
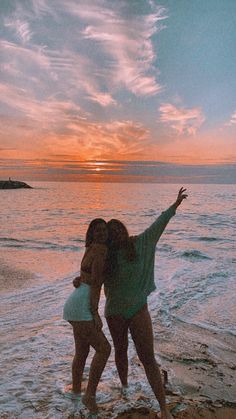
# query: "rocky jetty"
13,184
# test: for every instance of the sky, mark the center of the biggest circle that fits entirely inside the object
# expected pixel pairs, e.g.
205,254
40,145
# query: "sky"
118,90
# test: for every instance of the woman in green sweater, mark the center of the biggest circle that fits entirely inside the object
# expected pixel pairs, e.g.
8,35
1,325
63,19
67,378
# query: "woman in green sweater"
129,282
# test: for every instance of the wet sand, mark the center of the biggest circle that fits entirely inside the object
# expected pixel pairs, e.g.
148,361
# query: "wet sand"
201,366
192,412
13,278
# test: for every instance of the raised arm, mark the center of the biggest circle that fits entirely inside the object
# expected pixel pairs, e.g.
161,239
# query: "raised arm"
154,232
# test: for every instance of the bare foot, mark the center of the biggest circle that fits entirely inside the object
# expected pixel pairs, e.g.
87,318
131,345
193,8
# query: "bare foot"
90,403
70,394
73,396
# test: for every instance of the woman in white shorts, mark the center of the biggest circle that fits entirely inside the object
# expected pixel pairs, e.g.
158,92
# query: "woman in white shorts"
81,311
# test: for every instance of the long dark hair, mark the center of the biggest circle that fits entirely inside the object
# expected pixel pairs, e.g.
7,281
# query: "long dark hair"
90,231
128,247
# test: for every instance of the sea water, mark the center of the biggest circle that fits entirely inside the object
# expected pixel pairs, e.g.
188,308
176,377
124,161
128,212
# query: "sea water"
41,246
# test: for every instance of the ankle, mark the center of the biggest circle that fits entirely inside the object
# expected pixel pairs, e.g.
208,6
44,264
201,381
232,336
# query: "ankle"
76,390
89,401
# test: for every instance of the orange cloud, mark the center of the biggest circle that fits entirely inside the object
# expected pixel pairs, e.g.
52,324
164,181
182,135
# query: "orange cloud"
53,127
61,129
213,146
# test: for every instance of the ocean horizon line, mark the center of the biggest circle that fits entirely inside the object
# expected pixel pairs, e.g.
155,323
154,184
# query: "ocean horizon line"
129,181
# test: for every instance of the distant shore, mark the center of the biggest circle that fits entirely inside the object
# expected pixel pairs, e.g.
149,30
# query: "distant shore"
13,184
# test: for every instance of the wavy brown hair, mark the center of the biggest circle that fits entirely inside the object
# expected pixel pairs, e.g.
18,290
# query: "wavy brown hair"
128,248
91,228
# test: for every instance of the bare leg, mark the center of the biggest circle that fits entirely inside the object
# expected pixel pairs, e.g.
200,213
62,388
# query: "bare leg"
118,327
81,353
103,349
98,341
142,335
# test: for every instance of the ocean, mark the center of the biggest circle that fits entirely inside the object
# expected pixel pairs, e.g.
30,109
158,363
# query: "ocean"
42,243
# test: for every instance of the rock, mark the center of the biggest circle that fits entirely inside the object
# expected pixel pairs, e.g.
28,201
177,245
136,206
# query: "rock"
13,184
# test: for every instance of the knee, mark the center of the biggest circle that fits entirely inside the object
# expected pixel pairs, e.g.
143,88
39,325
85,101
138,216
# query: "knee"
121,351
81,354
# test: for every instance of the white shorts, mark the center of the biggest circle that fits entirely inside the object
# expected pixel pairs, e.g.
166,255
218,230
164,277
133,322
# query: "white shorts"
77,305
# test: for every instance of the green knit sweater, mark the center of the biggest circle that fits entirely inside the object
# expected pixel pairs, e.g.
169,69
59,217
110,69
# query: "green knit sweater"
127,291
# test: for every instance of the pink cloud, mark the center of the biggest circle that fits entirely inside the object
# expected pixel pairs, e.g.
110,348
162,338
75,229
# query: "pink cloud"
182,120
104,99
70,73
16,54
128,43
49,113
124,43
21,28
232,119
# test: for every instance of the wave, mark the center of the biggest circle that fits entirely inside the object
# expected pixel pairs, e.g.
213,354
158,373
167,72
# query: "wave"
212,239
209,239
149,213
36,245
219,221
164,248
194,254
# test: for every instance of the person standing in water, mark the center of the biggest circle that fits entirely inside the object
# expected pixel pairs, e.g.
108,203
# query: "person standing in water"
130,281
81,311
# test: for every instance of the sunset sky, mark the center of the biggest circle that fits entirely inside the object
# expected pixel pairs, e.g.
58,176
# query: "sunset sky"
126,88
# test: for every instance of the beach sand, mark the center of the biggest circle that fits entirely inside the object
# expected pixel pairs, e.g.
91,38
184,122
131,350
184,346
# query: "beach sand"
192,412
201,366
13,278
